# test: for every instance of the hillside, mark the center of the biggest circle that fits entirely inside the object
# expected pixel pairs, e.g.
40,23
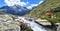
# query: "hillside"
48,5
45,6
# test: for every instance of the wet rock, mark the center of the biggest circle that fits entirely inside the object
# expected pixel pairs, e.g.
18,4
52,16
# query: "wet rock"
58,28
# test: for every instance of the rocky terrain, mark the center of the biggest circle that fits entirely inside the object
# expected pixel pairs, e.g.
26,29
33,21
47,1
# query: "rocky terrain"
10,22
7,23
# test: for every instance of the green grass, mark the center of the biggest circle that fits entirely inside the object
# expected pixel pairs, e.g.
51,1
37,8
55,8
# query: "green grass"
47,5
25,28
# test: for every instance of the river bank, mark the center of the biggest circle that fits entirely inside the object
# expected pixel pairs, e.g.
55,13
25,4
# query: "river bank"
13,22
46,27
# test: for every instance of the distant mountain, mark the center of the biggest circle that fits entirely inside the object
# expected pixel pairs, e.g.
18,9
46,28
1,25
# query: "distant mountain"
16,10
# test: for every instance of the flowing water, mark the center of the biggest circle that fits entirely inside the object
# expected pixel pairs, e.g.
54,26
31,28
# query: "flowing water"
34,26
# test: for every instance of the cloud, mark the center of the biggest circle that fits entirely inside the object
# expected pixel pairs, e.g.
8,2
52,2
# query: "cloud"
14,2
29,7
40,2
27,2
18,2
33,5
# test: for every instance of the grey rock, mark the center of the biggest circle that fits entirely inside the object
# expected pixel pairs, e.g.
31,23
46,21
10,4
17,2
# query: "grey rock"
58,28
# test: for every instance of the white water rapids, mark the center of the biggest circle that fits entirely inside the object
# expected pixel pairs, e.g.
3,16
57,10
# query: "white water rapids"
34,26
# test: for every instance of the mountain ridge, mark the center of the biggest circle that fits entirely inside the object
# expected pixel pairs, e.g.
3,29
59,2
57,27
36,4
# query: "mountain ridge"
17,10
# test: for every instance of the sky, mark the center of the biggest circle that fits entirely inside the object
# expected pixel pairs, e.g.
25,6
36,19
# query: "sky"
26,3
